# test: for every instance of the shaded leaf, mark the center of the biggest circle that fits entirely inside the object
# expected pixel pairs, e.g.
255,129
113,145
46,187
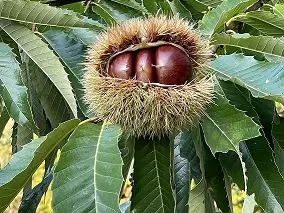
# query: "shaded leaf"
230,162
12,90
113,12
262,79
264,179
200,199
206,3
178,8
184,152
41,55
24,163
278,142
264,21
265,110
151,6
94,178
4,118
132,4
36,13
29,81
215,181
71,51
55,107
152,177
31,201
214,21
224,126
126,146
24,136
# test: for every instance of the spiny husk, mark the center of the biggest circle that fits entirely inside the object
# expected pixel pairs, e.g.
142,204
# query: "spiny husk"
140,108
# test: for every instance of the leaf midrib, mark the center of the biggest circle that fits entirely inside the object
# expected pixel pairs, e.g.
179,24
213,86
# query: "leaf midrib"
215,124
264,181
229,77
35,168
254,17
247,48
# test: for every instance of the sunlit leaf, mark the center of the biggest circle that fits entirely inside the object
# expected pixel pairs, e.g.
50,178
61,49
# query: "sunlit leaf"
12,89
262,79
24,163
214,21
225,127
152,177
41,55
89,169
42,14
264,21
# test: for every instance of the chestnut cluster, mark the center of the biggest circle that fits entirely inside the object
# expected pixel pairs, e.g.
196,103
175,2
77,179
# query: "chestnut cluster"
165,64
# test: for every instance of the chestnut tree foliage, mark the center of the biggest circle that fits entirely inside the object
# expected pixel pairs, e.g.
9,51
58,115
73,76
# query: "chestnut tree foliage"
239,141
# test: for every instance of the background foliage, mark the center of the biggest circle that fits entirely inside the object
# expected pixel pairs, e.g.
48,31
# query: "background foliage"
238,144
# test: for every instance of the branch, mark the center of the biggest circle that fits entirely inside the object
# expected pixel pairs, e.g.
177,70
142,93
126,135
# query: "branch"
257,5
62,2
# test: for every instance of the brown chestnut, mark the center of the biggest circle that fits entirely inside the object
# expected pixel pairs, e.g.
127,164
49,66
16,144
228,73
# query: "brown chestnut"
173,66
122,66
144,69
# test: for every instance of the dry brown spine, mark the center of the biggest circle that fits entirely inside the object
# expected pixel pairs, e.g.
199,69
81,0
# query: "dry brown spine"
148,109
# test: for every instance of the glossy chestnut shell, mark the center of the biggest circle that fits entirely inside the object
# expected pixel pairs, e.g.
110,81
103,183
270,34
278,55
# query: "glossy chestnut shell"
165,64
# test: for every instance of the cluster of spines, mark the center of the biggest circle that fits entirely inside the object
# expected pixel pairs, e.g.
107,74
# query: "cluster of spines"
140,108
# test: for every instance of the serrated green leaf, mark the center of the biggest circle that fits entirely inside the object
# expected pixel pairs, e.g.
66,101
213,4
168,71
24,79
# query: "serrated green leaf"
39,52
132,4
224,126
214,21
239,97
200,200
113,12
24,136
178,8
260,44
24,163
38,13
198,5
264,179
12,90
55,107
262,79
152,177
37,109
86,36
188,153
279,8
4,118
215,181
265,110
165,7
151,6
71,51
126,146
278,141
94,178
266,22
184,153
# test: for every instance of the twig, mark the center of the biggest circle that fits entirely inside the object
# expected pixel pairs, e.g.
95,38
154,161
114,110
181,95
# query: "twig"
61,3
257,5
